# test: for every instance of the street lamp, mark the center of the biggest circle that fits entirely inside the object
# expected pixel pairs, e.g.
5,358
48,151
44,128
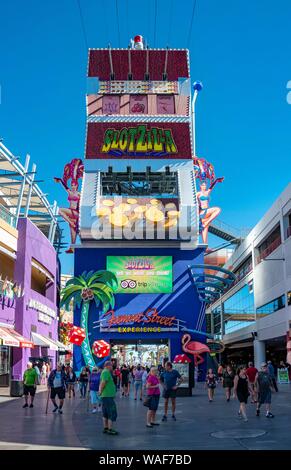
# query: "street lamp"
197,86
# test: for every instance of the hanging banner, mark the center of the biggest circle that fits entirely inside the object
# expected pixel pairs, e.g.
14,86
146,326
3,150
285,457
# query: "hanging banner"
138,140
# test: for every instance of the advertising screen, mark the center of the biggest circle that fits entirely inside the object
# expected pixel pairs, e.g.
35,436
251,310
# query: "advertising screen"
159,140
138,274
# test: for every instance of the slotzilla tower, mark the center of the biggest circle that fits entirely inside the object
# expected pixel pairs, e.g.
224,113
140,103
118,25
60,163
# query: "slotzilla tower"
138,215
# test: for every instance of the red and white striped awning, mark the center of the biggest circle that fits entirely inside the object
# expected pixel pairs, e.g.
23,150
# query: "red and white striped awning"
10,337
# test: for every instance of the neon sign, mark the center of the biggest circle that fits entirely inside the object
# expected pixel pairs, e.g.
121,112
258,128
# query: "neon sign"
139,139
144,322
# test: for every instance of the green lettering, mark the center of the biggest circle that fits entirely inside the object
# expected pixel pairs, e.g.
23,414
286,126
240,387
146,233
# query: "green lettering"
123,139
132,133
141,145
158,147
150,144
170,143
115,141
107,140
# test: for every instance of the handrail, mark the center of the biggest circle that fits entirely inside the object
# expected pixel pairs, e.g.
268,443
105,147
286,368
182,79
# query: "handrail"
267,251
7,216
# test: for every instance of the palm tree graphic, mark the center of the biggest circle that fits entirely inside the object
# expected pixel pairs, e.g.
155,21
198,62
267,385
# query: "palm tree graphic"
98,287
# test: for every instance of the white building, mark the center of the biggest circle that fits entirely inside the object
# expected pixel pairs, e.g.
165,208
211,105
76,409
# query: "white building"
256,311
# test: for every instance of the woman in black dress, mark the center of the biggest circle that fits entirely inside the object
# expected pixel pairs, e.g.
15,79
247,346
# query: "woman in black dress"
228,378
242,390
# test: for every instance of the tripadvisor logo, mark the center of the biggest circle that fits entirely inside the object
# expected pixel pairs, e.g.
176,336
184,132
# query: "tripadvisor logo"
139,140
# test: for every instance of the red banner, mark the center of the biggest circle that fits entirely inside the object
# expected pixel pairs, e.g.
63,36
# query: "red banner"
138,140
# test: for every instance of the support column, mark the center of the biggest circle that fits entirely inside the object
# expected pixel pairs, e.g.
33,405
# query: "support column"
259,353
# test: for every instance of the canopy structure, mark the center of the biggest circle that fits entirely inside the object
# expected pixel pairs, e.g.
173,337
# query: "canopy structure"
20,196
210,286
10,337
45,342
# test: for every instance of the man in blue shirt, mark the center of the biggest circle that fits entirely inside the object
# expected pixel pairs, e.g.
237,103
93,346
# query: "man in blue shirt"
170,379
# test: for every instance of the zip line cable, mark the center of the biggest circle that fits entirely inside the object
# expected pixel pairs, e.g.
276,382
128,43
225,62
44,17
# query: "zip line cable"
156,8
191,23
83,26
117,18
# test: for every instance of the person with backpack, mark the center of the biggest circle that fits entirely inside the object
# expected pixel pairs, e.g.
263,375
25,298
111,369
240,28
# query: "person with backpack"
264,386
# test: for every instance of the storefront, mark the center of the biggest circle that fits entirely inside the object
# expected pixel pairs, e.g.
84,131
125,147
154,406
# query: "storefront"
145,326
9,340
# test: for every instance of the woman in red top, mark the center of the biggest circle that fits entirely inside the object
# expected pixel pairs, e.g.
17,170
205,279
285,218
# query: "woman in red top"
153,396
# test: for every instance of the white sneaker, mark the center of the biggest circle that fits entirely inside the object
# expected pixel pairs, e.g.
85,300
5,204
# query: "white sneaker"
94,410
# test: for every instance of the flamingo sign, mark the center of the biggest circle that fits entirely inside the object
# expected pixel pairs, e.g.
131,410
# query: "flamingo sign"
195,348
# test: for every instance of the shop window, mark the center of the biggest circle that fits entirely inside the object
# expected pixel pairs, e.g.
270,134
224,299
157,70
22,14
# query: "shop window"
165,104
269,245
138,104
273,306
41,280
111,104
289,297
4,365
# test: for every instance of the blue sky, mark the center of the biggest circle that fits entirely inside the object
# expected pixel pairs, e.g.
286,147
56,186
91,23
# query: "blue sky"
239,50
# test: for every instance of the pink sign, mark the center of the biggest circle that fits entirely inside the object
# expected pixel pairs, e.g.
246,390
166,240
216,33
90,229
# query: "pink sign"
138,104
111,104
165,104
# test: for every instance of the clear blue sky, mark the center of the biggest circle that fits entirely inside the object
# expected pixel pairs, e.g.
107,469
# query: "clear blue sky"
239,50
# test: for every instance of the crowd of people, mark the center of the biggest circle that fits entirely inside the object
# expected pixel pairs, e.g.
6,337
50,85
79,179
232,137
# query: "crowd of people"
102,385
244,382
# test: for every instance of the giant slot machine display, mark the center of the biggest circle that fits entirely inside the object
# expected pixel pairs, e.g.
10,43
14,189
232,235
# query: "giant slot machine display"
139,222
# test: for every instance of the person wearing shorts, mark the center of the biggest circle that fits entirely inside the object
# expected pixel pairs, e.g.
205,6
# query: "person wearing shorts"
170,380
30,379
251,373
57,385
153,397
107,393
264,386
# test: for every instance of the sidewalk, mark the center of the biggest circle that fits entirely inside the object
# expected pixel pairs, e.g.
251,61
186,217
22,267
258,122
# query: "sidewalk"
5,393
200,425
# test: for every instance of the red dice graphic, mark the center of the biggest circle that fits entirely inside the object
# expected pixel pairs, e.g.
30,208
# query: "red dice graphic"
101,348
77,335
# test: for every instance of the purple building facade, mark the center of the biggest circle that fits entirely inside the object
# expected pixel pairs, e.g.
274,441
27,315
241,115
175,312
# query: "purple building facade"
34,315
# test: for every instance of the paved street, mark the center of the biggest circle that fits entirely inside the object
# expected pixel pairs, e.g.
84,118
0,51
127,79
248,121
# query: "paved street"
200,425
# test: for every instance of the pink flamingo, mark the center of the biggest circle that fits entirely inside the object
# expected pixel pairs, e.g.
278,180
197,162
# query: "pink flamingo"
195,348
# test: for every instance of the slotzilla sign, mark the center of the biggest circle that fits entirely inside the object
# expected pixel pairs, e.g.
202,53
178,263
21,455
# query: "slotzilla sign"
138,140
149,321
